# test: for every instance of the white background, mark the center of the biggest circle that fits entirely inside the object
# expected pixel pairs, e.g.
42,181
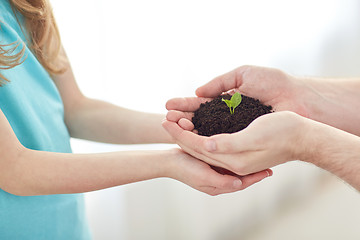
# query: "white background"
140,53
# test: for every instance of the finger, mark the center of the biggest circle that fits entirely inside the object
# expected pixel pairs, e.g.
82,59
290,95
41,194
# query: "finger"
186,124
253,178
224,184
204,148
223,83
232,91
175,116
186,104
176,132
228,184
241,141
190,142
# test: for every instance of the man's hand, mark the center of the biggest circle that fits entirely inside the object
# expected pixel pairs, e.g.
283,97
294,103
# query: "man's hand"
271,86
273,139
270,140
334,102
288,134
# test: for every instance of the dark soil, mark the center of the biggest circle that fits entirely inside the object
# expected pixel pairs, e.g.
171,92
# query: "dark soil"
214,117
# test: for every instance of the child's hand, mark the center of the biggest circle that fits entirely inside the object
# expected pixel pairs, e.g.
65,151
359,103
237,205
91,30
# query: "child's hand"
199,175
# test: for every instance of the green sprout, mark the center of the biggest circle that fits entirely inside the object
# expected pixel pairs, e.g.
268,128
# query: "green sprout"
233,102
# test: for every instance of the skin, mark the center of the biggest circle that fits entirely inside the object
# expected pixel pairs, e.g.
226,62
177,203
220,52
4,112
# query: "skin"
27,172
330,101
309,124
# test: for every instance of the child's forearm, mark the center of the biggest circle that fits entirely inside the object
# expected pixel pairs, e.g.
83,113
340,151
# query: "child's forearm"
42,173
104,122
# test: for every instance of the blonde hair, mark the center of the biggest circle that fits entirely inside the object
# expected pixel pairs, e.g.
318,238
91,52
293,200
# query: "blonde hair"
43,38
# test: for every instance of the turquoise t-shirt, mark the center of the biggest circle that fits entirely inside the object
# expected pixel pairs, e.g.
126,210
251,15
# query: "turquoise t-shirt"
34,109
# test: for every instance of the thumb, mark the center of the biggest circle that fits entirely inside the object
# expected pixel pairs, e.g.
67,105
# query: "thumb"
226,183
244,140
223,83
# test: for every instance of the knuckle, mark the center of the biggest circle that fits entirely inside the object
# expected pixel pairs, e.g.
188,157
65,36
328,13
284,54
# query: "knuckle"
247,70
288,113
222,142
171,115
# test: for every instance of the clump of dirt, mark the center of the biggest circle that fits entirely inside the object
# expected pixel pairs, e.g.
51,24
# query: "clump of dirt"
214,117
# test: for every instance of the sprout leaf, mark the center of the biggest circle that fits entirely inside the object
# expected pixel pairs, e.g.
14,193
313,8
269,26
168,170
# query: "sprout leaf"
233,102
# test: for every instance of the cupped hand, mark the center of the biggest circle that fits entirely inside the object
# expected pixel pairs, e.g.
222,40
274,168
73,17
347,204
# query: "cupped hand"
269,140
199,175
271,86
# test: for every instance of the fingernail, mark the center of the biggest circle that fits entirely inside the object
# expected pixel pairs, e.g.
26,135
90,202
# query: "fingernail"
210,145
269,173
237,183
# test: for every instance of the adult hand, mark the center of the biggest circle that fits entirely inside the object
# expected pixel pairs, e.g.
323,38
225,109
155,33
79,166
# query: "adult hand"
269,140
202,177
331,101
273,139
271,86
281,136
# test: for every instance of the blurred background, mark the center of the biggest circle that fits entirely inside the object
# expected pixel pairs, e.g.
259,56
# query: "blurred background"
162,49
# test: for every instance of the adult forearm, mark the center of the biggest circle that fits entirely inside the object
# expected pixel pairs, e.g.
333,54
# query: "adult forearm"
335,102
335,151
42,173
104,122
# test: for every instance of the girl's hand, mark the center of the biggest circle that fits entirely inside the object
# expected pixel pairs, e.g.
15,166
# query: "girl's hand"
199,175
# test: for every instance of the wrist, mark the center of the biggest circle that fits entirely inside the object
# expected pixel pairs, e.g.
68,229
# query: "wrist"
321,143
336,151
315,93
149,164
312,142
331,101
162,164
299,144
170,164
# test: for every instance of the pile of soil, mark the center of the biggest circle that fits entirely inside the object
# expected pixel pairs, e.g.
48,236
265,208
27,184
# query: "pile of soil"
214,117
